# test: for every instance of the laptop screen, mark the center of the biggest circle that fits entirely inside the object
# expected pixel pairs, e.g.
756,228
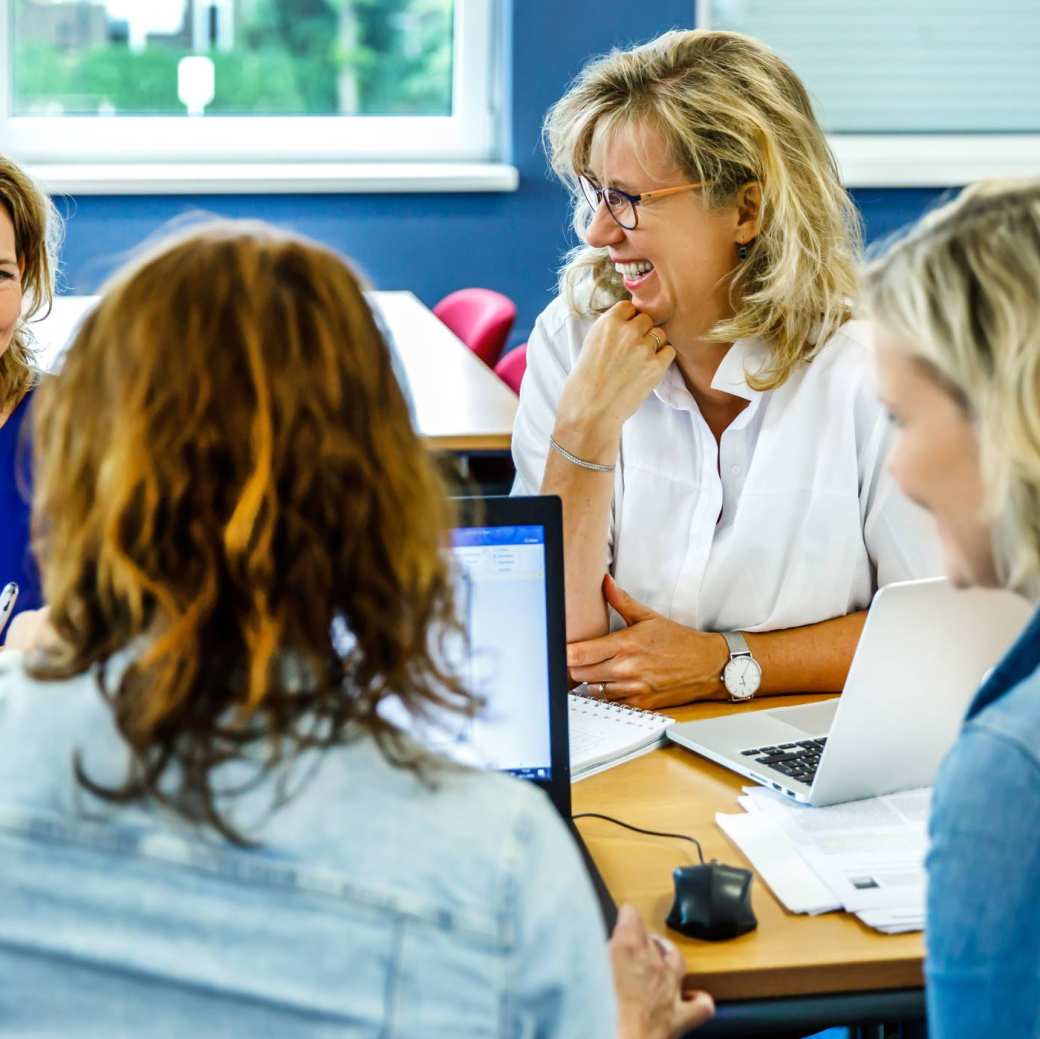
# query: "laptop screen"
508,567
502,600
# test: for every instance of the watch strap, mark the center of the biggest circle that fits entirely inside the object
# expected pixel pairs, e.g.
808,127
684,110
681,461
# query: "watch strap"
738,646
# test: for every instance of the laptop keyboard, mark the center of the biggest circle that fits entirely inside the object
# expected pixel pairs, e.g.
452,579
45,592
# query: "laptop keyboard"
797,760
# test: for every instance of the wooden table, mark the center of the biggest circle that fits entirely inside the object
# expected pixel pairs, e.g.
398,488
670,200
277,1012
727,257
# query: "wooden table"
788,955
460,404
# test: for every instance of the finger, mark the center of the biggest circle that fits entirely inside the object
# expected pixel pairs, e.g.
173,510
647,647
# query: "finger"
695,1010
625,690
642,323
641,695
665,356
670,954
628,928
624,309
614,672
594,651
656,339
640,701
632,611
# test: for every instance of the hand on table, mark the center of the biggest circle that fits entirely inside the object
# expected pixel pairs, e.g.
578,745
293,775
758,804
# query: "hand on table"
622,359
648,974
654,662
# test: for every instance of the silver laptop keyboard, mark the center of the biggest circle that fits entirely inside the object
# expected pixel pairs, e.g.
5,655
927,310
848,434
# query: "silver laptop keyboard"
798,760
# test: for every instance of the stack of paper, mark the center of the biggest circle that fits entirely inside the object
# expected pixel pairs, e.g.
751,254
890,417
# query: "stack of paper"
866,857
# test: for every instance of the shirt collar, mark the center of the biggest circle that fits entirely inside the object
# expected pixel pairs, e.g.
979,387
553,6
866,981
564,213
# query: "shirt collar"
1018,664
745,357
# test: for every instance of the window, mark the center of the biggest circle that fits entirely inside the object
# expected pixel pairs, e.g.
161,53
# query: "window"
930,92
247,81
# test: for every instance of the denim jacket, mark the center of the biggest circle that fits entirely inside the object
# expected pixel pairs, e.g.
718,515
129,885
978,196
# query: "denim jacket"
373,905
983,935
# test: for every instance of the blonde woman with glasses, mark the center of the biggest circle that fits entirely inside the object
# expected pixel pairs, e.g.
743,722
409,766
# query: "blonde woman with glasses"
696,394
958,352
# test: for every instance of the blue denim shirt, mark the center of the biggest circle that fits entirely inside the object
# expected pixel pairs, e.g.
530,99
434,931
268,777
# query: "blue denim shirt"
375,906
983,935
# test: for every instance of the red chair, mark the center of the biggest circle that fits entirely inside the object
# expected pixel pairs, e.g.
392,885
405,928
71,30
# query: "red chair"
512,367
481,318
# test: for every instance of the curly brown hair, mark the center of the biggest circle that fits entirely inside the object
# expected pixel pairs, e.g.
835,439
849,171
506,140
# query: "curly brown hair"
227,472
37,233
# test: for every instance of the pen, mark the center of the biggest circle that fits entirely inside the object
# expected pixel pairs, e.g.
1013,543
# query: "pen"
8,597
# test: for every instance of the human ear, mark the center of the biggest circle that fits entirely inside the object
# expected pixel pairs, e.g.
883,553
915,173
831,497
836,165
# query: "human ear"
748,203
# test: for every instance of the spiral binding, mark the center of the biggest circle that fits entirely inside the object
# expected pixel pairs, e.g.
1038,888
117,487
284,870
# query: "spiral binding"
619,708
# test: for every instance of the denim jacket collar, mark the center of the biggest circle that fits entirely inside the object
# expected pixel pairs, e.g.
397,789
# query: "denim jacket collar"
1018,663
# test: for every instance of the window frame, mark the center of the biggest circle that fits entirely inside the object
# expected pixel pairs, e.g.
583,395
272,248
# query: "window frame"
880,160
224,149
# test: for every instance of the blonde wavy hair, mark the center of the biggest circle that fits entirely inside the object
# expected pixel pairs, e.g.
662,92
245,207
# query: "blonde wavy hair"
37,235
732,112
960,292
226,476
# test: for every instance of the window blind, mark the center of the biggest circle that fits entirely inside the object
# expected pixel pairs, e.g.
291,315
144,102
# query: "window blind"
904,66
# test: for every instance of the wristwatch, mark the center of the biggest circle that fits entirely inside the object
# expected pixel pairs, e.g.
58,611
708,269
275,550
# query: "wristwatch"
742,674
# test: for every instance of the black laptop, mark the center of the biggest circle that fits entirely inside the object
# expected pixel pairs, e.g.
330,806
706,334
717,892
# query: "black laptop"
510,552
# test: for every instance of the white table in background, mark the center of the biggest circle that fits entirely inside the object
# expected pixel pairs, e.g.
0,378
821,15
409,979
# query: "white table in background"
460,404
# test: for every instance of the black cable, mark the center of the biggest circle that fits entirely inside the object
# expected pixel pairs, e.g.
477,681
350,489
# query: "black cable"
650,833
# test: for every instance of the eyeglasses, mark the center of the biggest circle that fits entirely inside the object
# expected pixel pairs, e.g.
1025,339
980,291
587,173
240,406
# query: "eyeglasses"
621,205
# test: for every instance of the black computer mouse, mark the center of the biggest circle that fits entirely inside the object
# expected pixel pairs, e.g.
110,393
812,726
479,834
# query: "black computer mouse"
712,901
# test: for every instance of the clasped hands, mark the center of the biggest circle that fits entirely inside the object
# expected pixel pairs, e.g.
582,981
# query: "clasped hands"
652,663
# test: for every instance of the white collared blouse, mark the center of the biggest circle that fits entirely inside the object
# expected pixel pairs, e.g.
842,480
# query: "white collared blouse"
790,520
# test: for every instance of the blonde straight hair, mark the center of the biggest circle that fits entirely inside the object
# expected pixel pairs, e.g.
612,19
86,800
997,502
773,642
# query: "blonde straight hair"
732,112
960,293
37,234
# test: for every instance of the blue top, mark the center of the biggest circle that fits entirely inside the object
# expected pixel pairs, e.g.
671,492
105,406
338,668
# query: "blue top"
373,904
16,563
983,934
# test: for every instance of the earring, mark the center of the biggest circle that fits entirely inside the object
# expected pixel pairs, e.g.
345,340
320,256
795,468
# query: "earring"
743,251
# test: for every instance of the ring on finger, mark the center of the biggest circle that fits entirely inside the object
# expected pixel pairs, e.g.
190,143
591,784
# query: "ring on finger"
658,336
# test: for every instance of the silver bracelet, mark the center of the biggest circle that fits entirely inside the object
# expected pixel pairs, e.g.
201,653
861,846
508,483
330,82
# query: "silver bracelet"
575,460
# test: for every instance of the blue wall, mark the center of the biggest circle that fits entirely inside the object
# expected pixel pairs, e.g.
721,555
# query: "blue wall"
434,243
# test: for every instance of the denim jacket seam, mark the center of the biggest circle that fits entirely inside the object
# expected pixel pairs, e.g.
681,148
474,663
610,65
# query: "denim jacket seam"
162,849
997,969
514,848
983,726
392,978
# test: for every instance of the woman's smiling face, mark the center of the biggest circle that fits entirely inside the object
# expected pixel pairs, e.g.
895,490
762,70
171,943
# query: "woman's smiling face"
691,251
10,281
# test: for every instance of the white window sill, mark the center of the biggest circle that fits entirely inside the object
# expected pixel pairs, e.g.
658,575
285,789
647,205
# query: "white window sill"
211,178
932,160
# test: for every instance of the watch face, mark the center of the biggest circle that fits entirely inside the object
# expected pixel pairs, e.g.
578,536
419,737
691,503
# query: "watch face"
742,677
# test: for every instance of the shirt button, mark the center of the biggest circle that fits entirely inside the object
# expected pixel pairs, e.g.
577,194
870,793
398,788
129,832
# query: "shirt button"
734,469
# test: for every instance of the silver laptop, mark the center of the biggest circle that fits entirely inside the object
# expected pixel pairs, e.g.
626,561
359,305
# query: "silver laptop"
923,653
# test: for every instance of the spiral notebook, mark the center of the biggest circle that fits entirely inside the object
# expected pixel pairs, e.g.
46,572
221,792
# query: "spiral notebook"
604,734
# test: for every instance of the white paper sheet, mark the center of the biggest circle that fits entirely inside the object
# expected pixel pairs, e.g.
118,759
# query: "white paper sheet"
869,853
778,863
893,921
